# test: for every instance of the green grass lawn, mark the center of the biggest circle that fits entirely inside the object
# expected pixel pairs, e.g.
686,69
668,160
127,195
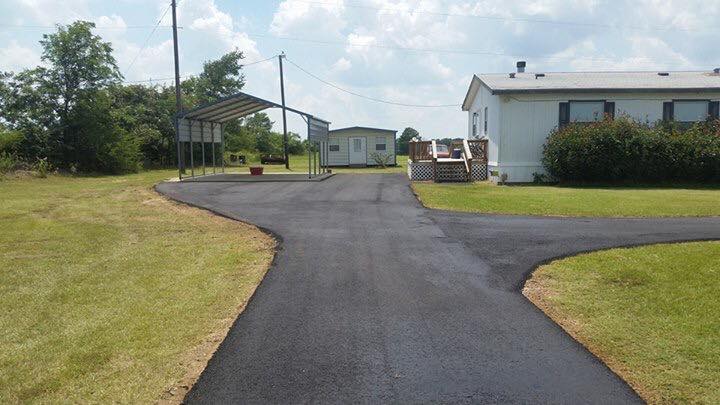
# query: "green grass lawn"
111,293
600,201
299,164
651,313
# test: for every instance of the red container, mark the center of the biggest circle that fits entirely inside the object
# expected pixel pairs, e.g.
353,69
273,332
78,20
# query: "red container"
256,171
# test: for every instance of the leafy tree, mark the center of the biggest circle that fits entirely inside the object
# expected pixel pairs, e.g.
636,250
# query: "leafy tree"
62,106
402,142
146,112
295,144
219,78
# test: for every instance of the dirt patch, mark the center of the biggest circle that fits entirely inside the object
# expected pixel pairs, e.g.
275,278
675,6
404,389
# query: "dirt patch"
195,360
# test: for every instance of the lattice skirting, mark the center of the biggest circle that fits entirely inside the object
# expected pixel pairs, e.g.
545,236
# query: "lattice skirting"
451,172
420,171
479,171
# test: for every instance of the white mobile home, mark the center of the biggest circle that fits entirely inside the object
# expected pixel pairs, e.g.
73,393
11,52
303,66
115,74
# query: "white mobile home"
355,146
515,112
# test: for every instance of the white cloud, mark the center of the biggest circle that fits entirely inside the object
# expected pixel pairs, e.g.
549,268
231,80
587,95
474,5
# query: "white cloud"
647,53
341,65
52,11
205,17
113,21
325,20
16,57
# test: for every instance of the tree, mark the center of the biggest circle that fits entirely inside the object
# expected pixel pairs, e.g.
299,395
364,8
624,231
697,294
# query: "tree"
62,106
295,144
146,112
219,78
407,135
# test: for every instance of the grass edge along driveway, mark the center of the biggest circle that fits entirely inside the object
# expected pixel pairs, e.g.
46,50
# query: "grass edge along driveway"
112,293
650,313
578,201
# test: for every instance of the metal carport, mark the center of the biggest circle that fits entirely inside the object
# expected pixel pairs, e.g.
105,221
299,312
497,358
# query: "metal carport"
206,124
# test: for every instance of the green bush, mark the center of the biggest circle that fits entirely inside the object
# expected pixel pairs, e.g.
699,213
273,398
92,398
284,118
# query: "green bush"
624,150
8,162
42,166
381,159
10,141
123,156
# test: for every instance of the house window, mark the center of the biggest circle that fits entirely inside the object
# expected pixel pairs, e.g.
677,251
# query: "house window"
475,122
380,143
334,148
485,119
586,111
690,111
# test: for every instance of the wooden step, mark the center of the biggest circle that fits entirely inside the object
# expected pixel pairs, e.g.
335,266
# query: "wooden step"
451,171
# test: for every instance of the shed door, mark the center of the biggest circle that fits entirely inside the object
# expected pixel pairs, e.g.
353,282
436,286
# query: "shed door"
357,151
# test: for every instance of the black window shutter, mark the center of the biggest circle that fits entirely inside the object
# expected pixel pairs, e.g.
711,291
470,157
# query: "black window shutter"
714,109
668,111
564,117
610,109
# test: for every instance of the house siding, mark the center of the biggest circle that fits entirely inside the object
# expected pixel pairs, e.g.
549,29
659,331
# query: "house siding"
340,158
526,120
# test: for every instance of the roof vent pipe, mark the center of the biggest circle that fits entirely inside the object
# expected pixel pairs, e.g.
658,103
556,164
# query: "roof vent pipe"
716,71
521,66
539,75
512,75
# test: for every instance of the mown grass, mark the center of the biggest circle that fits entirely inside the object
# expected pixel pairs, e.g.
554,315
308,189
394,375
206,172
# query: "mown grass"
651,313
299,164
597,201
108,290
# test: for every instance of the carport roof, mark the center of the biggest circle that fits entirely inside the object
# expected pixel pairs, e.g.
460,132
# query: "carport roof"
235,106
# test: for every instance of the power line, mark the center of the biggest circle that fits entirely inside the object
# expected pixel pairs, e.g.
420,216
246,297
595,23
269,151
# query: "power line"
451,51
378,100
389,10
96,27
147,40
242,65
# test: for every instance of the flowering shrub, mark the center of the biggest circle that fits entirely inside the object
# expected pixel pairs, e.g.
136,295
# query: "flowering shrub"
622,149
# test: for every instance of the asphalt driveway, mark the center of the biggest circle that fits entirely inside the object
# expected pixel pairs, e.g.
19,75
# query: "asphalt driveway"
374,298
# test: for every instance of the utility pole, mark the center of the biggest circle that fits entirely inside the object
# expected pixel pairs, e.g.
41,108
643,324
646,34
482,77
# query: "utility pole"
178,94
282,98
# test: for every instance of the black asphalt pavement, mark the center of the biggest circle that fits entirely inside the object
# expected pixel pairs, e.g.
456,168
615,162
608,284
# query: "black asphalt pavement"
373,298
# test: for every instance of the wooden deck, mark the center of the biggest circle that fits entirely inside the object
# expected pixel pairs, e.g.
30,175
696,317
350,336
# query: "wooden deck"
472,152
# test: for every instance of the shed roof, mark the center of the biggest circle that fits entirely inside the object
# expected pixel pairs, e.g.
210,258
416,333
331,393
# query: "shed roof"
368,128
235,106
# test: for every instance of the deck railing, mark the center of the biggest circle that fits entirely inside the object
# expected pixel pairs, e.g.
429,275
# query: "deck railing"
420,150
478,149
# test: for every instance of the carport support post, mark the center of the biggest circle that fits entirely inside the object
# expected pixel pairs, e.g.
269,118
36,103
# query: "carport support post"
212,138
192,161
222,146
202,141
309,144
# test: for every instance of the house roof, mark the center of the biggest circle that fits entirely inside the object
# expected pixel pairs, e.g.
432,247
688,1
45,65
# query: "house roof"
369,128
590,82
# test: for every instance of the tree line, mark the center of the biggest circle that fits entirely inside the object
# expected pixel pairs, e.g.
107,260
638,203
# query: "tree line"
73,112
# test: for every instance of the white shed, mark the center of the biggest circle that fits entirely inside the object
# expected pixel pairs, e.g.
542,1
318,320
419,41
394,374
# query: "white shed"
515,112
355,146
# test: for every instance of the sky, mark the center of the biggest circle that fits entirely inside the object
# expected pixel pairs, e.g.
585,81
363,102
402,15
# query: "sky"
422,53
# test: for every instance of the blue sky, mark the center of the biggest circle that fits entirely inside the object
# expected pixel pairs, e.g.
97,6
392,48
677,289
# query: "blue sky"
413,52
